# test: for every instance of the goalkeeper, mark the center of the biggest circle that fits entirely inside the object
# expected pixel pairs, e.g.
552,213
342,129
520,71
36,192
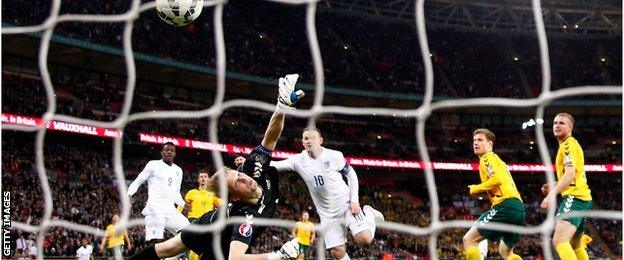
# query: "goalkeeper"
507,206
253,192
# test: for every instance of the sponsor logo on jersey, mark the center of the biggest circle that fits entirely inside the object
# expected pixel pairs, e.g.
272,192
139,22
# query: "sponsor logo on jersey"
245,230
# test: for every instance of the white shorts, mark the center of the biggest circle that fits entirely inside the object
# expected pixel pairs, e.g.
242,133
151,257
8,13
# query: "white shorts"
336,234
155,225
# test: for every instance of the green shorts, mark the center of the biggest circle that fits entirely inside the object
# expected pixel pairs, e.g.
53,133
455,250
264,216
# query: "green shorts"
510,211
303,248
570,203
110,251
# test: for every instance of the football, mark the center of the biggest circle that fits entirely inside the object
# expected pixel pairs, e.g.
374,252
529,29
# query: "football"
179,12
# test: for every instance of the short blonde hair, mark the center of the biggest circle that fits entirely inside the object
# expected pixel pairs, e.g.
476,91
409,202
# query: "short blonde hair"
213,181
488,134
568,116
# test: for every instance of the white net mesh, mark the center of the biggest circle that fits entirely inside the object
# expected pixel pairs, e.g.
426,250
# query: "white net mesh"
219,105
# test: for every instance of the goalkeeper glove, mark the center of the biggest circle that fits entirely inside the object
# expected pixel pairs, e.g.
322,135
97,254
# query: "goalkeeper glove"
287,95
289,250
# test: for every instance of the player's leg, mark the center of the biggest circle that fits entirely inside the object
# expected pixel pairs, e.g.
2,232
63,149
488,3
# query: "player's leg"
174,223
359,227
506,245
363,225
470,240
564,231
335,237
154,228
303,249
171,247
579,248
483,248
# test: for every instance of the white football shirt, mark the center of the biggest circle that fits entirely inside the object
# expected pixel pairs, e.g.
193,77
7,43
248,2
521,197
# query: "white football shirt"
323,176
84,253
163,187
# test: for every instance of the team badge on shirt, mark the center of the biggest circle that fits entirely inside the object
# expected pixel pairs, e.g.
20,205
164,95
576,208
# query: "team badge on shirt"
245,230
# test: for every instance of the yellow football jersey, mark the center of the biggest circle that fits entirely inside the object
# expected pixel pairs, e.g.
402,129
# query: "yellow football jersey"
304,232
495,179
201,201
114,241
571,153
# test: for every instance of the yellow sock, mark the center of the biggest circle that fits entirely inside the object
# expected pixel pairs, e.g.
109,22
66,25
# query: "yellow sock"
565,251
472,253
581,253
513,256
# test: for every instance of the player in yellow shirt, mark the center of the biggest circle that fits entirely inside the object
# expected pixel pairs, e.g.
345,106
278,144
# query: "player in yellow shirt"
114,242
201,200
304,230
499,187
575,193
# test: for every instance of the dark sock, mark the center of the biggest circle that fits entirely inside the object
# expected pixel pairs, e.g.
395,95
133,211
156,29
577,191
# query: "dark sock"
147,253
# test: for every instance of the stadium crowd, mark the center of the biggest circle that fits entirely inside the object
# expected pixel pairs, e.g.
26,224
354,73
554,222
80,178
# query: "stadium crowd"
269,40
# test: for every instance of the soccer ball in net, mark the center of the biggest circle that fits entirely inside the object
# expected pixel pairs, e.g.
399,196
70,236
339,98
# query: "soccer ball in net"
179,12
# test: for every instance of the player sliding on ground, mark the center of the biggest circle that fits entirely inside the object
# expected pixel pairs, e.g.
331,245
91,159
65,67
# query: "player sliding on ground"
322,170
507,206
253,192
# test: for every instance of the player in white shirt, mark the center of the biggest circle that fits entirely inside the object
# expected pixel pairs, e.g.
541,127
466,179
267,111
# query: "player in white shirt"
163,191
322,170
85,251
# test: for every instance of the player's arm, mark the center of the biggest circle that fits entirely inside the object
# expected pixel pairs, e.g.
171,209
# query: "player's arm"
289,250
103,244
488,185
128,241
294,231
178,196
569,173
567,178
352,183
143,176
286,98
312,236
283,165
354,188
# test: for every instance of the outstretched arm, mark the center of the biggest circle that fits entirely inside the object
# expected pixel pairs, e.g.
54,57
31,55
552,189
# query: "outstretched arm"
287,97
274,130
143,176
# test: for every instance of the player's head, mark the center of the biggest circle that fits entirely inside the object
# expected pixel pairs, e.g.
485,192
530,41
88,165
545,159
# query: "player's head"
305,216
84,242
563,124
482,141
240,186
168,152
115,218
312,139
203,178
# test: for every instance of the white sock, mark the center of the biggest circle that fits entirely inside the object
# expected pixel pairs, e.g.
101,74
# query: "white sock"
483,248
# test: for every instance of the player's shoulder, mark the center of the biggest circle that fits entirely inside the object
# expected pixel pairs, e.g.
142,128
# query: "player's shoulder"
571,141
332,153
